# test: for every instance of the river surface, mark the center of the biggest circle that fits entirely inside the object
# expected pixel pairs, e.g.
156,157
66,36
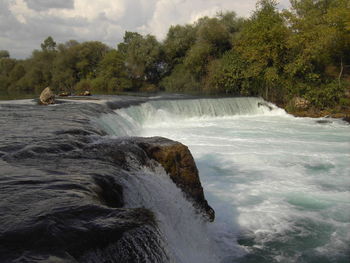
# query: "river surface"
280,185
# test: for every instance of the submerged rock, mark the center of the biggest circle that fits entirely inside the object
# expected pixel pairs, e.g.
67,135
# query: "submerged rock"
324,121
265,104
178,162
47,97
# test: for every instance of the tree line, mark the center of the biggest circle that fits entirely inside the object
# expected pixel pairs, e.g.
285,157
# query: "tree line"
279,55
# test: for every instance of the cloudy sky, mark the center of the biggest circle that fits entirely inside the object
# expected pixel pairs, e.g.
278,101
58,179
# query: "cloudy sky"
24,24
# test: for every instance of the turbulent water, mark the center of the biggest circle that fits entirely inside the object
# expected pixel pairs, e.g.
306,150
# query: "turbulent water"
280,185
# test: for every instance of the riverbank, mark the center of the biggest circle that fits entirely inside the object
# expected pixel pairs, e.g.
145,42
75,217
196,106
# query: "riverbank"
328,113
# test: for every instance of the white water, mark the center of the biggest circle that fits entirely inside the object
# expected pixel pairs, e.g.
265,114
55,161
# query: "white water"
185,231
280,185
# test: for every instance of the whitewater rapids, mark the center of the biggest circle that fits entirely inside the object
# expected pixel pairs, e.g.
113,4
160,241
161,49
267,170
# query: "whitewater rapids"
279,185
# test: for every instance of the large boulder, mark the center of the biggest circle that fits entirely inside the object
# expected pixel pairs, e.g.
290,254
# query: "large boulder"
47,97
178,162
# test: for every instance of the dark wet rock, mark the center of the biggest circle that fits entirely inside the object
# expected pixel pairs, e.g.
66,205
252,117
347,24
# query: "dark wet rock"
62,188
265,104
71,230
324,121
74,132
125,103
347,119
178,162
109,192
47,97
63,214
176,159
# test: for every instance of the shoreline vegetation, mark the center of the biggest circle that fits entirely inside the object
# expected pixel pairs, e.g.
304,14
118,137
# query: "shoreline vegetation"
298,59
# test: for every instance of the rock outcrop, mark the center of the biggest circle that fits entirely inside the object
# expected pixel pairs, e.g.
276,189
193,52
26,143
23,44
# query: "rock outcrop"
47,97
176,159
300,103
69,183
178,162
64,94
85,93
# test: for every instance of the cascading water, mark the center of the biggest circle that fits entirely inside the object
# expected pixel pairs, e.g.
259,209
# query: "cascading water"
131,120
279,184
186,233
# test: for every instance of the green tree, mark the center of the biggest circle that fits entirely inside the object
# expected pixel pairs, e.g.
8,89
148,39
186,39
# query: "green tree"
178,41
263,45
197,59
6,66
49,44
4,54
320,42
180,80
142,57
112,74
89,55
64,72
17,73
213,32
227,76
230,20
76,62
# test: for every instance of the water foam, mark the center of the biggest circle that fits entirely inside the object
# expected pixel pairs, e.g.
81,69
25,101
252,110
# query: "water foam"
132,120
285,180
168,111
279,184
186,233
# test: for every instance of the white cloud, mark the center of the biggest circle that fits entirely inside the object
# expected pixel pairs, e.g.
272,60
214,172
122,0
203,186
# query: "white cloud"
40,5
21,11
171,12
24,24
94,10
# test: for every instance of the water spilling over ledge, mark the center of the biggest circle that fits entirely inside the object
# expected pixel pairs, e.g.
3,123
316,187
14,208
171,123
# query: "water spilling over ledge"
76,188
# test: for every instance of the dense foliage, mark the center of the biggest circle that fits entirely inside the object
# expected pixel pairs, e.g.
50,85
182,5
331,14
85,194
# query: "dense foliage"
279,55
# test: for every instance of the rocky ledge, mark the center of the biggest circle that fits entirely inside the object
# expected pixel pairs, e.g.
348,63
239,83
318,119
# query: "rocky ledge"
300,107
174,157
67,202
178,162
345,115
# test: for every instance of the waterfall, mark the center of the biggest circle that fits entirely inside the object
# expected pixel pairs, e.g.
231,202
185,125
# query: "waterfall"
129,121
185,232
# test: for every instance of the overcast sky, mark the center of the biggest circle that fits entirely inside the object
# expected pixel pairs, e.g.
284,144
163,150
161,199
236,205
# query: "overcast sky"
24,24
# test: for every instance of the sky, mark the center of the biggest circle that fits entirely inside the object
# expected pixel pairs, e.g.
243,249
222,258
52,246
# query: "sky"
24,24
